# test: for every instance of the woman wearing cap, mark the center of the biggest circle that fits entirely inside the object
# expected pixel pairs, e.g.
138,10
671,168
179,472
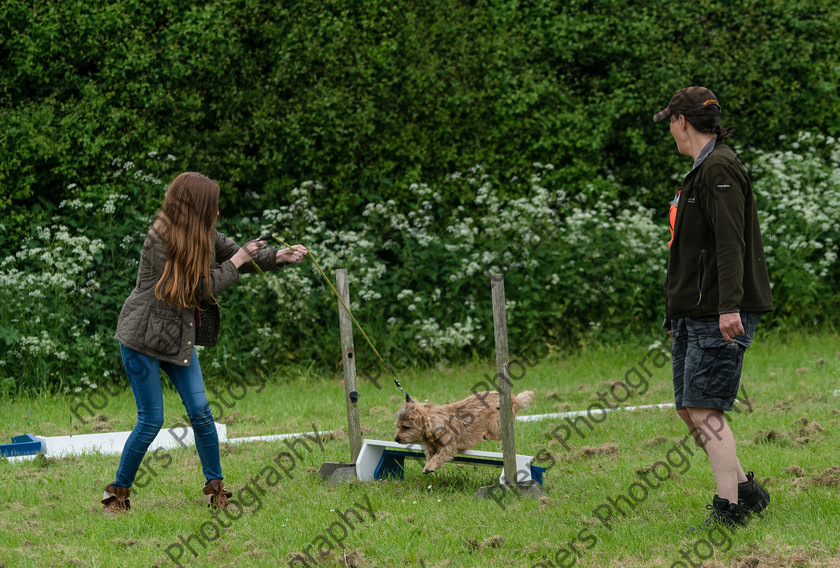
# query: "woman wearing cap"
716,289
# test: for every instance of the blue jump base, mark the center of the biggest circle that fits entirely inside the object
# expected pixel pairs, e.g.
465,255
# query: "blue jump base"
392,464
25,445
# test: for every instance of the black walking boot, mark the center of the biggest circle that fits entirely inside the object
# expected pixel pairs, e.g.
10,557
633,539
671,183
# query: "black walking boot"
729,515
752,496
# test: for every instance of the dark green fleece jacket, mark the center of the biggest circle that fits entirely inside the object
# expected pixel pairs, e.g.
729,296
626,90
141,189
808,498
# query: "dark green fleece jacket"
716,263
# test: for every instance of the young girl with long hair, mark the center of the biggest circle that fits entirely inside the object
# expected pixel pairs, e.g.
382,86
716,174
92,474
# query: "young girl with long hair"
184,264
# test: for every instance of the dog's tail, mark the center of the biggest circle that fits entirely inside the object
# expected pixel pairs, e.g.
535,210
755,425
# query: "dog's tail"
522,400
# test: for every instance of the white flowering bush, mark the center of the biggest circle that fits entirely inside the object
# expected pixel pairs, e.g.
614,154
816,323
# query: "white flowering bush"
62,290
798,195
43,287
581,263
576,267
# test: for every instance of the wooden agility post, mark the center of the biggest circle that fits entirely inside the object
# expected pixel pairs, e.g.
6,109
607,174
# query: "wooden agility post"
512,484
348,355
497,287
338,471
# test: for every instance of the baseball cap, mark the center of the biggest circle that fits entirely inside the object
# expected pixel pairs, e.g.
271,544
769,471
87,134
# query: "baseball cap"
690,101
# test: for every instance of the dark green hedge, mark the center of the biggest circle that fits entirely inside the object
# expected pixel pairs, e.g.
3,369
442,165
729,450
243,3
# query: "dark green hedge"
369,96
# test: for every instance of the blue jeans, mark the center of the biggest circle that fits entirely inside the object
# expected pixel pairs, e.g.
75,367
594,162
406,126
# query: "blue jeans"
144,375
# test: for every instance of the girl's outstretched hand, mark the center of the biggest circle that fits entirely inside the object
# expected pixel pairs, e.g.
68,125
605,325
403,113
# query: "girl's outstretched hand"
294,254
247,252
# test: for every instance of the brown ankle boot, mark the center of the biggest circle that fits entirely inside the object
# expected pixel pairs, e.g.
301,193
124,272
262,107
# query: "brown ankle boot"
218,496
116,499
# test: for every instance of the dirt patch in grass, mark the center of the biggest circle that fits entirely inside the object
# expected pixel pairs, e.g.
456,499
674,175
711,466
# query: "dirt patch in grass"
553,457
795,471
338,434
346,558
806,427
237,417
830,477
772,435
351,558
30,474
608,449
98,423
611,383
803,431
254,552
495,541
298,557
779,560
647,469
782,406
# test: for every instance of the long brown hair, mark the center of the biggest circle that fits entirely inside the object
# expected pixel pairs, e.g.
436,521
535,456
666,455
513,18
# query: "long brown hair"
187,225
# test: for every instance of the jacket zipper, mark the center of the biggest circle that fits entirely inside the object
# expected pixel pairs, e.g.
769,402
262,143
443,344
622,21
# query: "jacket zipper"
700,277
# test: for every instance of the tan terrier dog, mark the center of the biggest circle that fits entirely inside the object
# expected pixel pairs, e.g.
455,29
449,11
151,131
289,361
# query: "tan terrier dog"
446,429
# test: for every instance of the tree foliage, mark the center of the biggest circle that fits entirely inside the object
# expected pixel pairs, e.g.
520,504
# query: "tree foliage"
367,97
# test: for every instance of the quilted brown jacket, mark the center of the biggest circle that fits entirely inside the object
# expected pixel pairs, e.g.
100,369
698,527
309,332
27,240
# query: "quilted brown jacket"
168,332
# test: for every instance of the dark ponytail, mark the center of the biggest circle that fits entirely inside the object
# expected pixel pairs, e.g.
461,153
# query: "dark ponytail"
709,122
721,133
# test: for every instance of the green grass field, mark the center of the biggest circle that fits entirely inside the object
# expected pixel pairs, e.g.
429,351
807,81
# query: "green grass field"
787,433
